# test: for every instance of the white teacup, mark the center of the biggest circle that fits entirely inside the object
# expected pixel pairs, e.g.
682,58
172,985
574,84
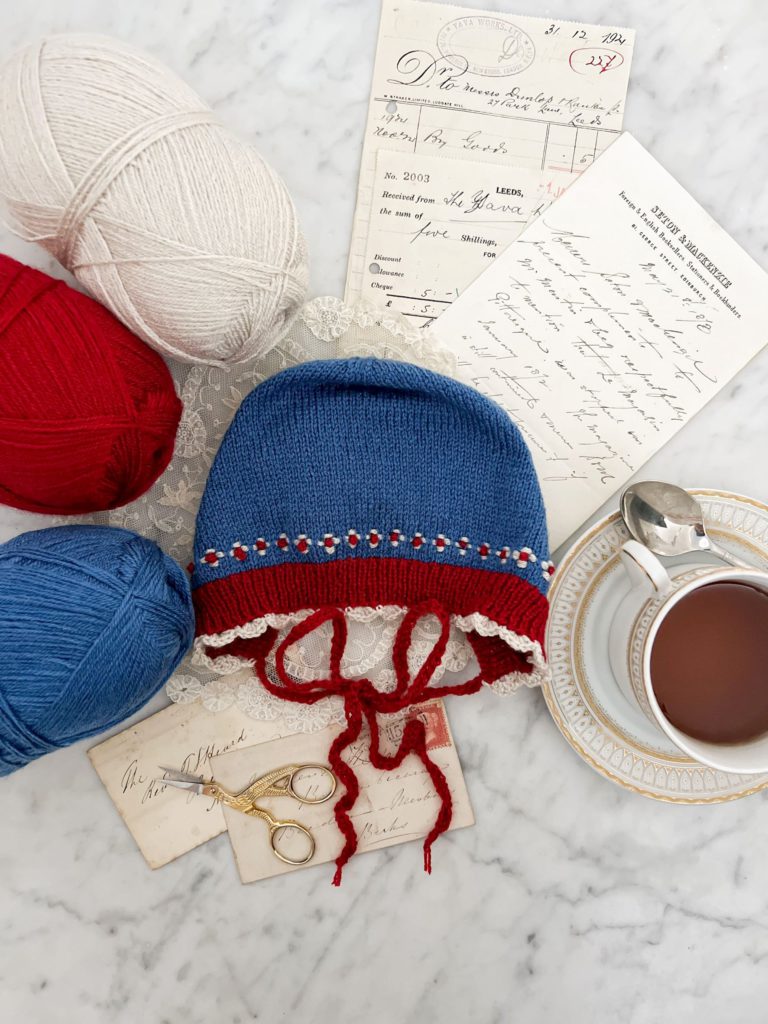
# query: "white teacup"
633,630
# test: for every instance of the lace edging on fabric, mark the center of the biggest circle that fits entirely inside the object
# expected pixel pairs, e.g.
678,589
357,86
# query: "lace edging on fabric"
465,624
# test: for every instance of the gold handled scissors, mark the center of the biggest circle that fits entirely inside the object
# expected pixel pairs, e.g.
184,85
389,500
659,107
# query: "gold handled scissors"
280,782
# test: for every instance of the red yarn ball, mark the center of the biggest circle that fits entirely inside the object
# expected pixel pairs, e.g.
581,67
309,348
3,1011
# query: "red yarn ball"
88,413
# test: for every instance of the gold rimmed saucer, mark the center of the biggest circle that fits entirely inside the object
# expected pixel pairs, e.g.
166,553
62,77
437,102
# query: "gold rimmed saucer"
609,733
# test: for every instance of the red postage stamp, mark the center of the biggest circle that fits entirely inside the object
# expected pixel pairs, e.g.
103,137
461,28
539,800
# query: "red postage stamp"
432,714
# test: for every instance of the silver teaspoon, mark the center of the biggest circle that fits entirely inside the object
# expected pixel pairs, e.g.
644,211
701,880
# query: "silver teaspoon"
669,521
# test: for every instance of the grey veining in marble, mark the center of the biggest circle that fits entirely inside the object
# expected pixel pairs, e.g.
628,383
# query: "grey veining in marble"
571,900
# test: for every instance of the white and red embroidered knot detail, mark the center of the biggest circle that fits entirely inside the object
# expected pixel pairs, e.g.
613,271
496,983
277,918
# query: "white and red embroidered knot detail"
524,557
330,544
239,551
212,557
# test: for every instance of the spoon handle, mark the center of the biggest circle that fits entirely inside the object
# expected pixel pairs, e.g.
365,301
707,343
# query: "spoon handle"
726,556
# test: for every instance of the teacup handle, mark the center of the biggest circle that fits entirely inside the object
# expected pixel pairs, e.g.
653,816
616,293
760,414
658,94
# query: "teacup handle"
644,569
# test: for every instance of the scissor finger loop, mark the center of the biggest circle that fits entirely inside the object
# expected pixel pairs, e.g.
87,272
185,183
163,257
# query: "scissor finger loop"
278,827
303,797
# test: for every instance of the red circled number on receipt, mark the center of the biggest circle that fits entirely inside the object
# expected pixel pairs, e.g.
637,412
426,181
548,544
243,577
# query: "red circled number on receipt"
591,60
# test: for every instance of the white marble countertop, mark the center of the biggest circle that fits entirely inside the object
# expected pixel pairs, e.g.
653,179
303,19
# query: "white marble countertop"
571,900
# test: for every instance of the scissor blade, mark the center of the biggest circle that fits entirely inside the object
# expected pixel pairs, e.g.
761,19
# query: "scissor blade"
189,786
181,780
172,773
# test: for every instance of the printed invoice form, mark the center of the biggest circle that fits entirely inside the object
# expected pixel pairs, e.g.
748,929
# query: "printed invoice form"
474,120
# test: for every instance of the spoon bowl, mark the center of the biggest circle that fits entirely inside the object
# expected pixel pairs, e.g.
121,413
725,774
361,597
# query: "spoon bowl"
669,521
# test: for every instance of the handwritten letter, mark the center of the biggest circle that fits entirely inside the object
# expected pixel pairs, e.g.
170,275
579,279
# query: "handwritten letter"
166,822
233,748
607,325
393,807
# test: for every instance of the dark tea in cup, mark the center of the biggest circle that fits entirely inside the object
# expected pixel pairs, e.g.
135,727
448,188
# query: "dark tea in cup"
709,663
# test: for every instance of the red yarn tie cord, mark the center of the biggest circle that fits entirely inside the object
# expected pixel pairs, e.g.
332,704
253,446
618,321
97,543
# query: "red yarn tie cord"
363,701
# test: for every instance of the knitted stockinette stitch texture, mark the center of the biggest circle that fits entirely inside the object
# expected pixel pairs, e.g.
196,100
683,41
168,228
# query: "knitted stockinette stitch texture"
362,473
93,620
365,483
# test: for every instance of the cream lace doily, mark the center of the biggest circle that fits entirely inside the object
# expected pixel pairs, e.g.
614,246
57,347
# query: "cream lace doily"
326,328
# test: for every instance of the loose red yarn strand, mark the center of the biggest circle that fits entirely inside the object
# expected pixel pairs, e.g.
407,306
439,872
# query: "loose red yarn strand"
363,700
346,775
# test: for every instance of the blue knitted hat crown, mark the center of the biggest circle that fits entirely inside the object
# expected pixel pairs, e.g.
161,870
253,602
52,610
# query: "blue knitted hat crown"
365,482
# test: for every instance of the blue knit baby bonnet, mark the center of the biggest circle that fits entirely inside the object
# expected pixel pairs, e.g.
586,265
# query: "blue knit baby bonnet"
366,483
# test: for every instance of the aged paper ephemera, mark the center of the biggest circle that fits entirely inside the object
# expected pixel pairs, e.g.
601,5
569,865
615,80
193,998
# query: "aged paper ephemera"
607,325
468,85
393,807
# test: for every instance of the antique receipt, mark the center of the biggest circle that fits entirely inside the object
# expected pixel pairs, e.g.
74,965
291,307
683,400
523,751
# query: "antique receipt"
433,230
393,807
166,822
607,325
467,85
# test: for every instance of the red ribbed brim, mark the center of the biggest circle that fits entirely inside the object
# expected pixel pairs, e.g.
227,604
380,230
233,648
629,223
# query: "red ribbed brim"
503,598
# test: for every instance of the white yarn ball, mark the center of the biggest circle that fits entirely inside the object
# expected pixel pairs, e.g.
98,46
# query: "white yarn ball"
125,176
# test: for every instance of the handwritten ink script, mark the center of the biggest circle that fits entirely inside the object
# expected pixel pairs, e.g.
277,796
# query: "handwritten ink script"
393,807
468,85
436,224
166,822
607,325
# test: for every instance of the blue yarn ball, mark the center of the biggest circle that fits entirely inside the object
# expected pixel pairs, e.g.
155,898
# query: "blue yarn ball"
93,620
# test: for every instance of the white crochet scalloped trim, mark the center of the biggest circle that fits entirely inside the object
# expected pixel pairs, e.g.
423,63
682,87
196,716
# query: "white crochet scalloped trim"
474,623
